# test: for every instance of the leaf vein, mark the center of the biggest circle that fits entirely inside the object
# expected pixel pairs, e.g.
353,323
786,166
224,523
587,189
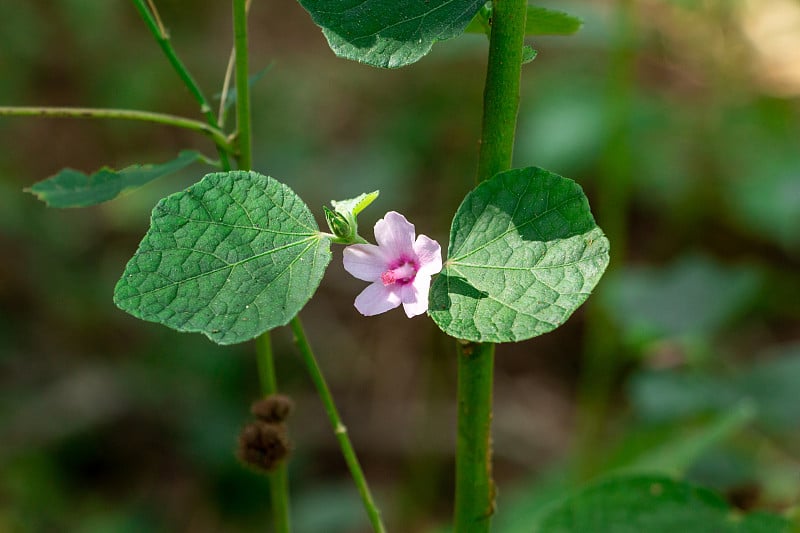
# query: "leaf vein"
229,265
517,228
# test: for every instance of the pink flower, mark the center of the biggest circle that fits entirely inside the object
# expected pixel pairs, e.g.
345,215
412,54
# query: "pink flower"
399,267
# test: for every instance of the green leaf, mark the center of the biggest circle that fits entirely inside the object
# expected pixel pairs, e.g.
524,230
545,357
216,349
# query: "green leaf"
663,395
673,449
655,504
540,21
765,196
480,22
528,54
692,298
355,205
524,253
389,33
71,188
543,21
232,256
771,384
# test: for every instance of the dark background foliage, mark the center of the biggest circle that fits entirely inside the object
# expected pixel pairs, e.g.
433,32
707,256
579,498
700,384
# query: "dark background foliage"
679,117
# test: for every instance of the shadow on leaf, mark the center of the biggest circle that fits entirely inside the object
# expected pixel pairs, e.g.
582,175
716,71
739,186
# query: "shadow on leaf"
453,285
564,214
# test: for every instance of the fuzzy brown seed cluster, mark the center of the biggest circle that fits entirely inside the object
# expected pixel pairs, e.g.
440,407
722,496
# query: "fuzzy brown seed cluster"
273,409
264,443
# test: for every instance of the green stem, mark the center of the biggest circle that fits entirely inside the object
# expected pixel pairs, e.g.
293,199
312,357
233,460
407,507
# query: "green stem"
226,84
474,503
474,500
216,135
266,365
242,83
338,427
501,91
278,479
162,38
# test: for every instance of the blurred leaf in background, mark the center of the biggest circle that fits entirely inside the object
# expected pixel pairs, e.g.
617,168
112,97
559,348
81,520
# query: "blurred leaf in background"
689,301
107,424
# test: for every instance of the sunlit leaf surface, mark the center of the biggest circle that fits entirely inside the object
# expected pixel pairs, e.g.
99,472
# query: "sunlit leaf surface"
524,253
232,256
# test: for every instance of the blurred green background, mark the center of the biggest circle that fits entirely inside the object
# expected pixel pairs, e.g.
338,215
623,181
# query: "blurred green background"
680,118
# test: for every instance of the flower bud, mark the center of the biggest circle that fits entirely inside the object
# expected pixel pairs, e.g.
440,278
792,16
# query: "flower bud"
339,225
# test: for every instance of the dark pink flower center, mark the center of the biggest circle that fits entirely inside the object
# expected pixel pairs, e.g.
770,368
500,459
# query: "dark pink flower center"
401,272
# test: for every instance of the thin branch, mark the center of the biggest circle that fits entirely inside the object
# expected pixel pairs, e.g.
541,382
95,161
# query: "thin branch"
226,84
339,428
226,87
161,36
216,135
156,16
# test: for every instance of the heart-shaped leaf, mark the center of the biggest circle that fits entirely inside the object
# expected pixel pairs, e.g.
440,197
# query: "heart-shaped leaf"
524,253
72,188
389,33
232,256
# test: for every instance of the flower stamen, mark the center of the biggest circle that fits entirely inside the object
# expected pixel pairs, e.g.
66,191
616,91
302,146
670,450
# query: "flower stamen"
388,278
403,274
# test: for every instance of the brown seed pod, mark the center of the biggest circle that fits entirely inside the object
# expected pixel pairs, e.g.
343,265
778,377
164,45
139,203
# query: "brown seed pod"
263,445
274,408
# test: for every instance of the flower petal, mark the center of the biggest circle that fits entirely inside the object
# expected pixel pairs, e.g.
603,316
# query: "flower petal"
395,234
365,261
376,299
429,254
415,296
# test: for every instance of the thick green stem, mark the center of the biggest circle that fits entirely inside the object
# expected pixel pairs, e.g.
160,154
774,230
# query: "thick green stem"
474,486
162,38
338,427
125,114
501,92
474,500
242,83
278,479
